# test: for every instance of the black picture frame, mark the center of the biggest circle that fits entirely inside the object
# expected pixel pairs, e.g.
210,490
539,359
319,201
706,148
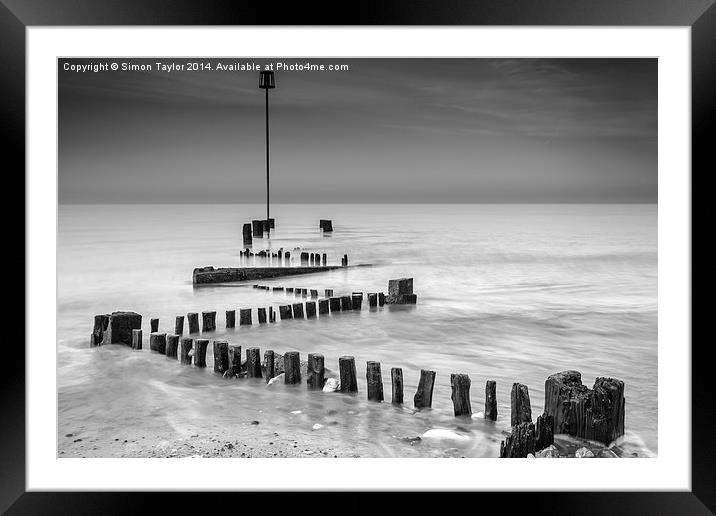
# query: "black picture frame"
700,15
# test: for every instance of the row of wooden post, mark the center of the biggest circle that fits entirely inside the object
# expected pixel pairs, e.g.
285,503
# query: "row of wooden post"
227,359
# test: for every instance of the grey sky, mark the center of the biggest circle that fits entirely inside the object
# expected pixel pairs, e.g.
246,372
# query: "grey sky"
387,130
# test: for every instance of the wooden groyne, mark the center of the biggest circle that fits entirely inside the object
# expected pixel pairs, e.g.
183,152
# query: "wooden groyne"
605,412
210,275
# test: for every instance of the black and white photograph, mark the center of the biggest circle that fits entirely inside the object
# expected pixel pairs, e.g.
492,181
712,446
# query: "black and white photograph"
357,257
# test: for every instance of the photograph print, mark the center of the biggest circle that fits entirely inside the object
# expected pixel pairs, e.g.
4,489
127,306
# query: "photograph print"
365,257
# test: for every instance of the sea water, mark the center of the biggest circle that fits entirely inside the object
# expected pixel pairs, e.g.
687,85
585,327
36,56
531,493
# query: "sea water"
511,293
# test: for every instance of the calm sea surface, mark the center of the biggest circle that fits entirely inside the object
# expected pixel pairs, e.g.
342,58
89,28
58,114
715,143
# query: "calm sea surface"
511,293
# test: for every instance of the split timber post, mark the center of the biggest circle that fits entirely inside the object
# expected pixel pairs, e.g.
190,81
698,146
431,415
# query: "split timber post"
520,409
285,312
491,400
424,395
154,325
335,304
234,360
200,352
460,384
248,240
272,315
374,379
208,321
310,309
253,363
186,344
269,364
322,306
231,318
221,356
193,319
262,315
596,414
347,369
298,310
396,377
172,345
244,316
315,372
136,339
158,342
381,298
179,325
292,367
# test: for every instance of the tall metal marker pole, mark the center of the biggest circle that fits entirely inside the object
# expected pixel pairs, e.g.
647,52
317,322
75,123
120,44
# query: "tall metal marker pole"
267,82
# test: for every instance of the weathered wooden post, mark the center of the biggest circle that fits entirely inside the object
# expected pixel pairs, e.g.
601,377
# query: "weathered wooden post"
314,294
287,257
460,384
253,363
346,303
318,260
292,367
272,315
154,325
186,344
200,352
289,290
298,310
285,312
381,299
179,325
244,316
596,414
520,443
313,259
158,342
357,300
310,309
136,339
193,319
208,321
315,372
491,400
262,315
304,258
326,225
297,291
258,227
347,369
424,396
269,364
520,408
322,306
328,292
544,432
172,345
278,289
304,292
374,379
234,356
372,300
400,292
231,318
335,304
248,240
221,356
396,377
344,260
